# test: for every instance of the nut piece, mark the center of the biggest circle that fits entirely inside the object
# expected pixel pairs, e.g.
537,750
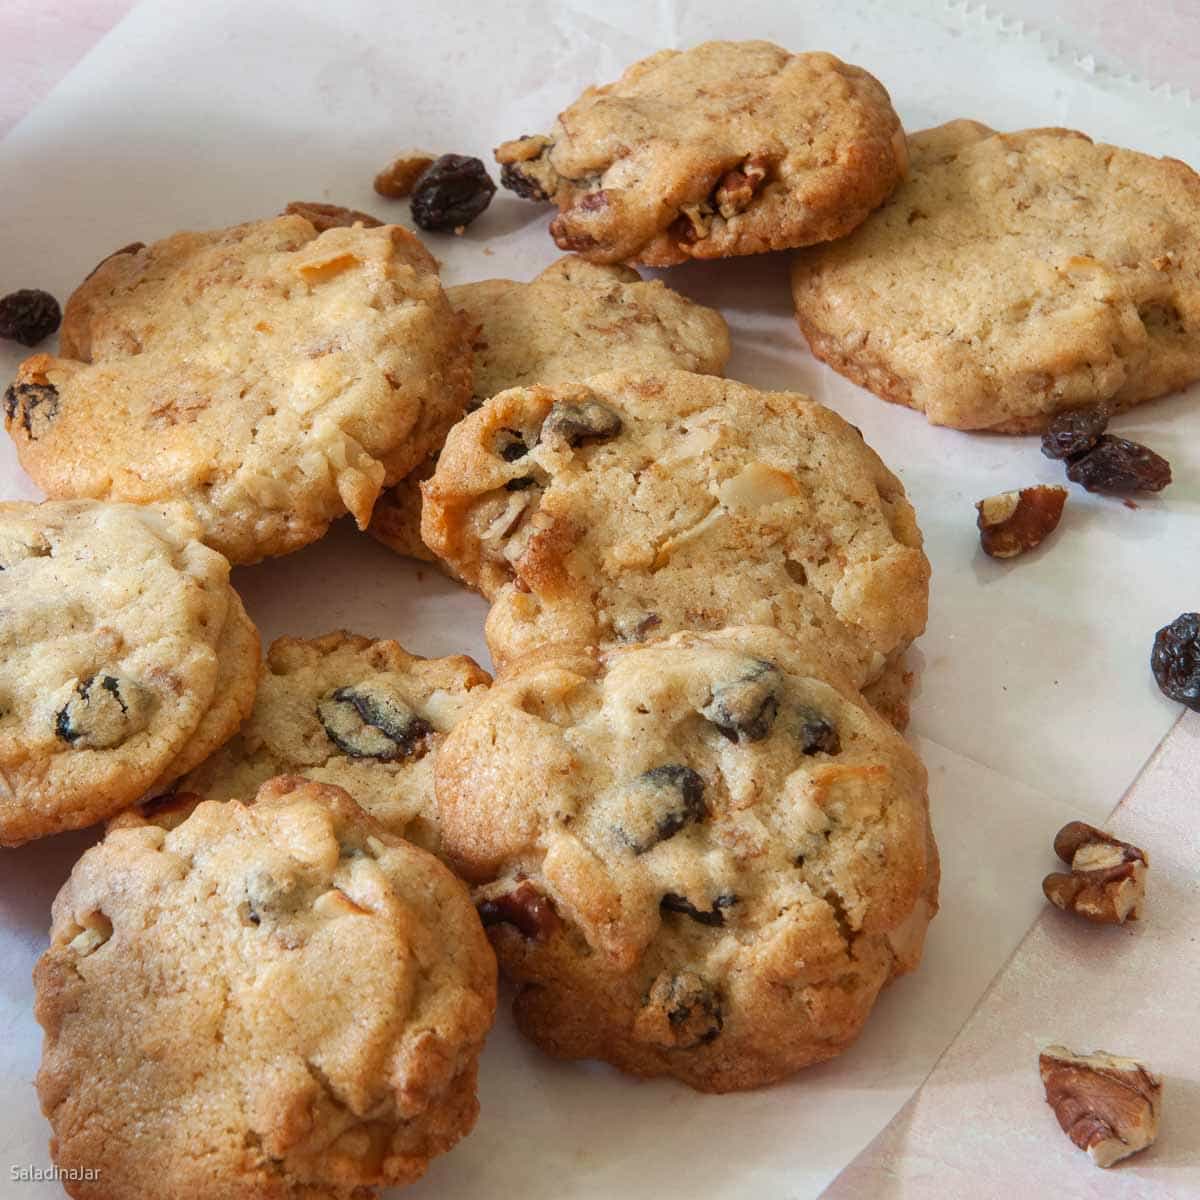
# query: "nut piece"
396,180
1107,880
328,216
1107,1105
525,908
1013,522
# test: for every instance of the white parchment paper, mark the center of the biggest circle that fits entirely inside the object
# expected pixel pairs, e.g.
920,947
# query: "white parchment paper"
1034,704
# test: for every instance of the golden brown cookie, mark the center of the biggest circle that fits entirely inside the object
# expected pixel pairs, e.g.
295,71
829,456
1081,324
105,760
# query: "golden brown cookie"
700,858
110,616
1014,275
573,320
728,148
365,715
274,376
275,999
637,505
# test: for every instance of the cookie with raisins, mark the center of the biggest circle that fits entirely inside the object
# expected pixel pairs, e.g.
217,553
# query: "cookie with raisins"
728,148
1014,276
574,320
365,715
274,998
701,858
636,505
111,654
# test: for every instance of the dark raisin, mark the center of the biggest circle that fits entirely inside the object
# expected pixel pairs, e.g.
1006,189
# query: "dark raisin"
745,709
1075,431
512,445
691,1007
657,805
818,735
520,484
102,712
28,316
1175,659
369,721
575,423
30,403
525,908
451,193
1117,465
528,188
672,902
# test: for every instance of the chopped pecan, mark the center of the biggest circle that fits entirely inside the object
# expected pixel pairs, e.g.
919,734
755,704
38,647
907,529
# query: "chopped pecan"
1108,877
1012,522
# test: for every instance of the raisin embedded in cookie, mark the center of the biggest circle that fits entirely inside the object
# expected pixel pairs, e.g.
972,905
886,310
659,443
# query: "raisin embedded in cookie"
636,505
276,998
110,619
274,376
365,715
573,320
728,148
1012,276
701,858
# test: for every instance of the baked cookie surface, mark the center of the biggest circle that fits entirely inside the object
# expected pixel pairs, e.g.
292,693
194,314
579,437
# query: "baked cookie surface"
724,149
364,715
634,506
110,617
1012,276
574,320
302,1001
701,858
274,376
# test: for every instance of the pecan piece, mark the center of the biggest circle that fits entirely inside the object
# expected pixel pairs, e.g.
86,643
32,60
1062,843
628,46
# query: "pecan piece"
1012,522
1107,880
525,908
329,216
1107,1105
738,187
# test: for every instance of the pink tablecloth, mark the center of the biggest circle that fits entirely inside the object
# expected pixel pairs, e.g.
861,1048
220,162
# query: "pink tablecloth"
1131,990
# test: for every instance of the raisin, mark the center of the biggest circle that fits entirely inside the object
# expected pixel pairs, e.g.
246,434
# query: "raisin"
369,721
1117,465
657,805
27,401
525,908
520,484
745,709
452,193
103,711
28,316
513,446
691,1007
1175,660
672,902
818,735
396,180
525,186
1075,431
575,423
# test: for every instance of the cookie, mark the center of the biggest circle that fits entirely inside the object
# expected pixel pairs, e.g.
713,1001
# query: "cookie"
1014,275
701,858
238,659
274,376
638,505
365,715
275,999
574,320
108,656
728,148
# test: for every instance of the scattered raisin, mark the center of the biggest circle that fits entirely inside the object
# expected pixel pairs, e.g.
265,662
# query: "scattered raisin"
525,186
691,1007
511,450
672,902
525,908
451,193
28,401
28,316
520,484
103,711
1075,431
396,180
657,804
745,709
1117,465
368,721
1175,660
